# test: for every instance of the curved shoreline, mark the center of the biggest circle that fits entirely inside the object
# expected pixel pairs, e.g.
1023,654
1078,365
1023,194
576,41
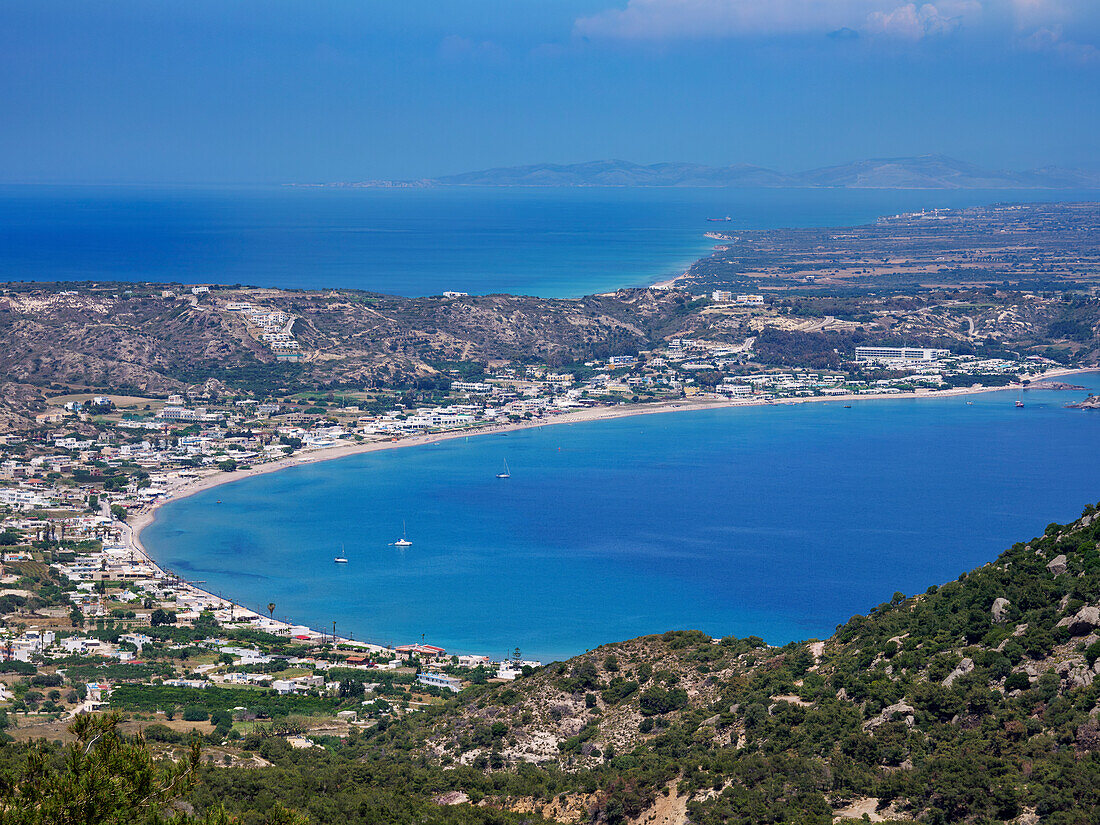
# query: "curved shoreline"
147,515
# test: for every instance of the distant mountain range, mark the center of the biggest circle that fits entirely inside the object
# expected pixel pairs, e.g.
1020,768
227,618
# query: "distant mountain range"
923,172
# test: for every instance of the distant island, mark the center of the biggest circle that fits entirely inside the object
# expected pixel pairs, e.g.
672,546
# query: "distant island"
921,172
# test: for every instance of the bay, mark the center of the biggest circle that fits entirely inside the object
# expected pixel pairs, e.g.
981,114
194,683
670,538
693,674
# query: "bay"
549,242
778,521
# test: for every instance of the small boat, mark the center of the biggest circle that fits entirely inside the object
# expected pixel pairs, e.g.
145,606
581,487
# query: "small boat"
505,473
716,220
403,541
847,406
341,559
1019,404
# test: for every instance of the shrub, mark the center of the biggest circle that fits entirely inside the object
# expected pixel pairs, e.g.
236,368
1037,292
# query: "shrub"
1017,681
656,700
1092,653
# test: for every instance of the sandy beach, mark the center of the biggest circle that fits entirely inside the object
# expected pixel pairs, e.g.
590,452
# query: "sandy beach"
141,519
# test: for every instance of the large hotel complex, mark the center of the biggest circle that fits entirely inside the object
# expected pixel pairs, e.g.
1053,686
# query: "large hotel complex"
900,354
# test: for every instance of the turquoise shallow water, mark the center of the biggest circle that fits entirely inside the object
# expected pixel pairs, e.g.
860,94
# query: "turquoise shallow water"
776,521
548,242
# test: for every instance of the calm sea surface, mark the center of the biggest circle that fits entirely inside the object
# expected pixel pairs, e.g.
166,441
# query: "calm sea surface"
777,522
780,522
548,242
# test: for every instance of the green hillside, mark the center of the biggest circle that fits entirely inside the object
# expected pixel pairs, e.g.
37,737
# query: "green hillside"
972,702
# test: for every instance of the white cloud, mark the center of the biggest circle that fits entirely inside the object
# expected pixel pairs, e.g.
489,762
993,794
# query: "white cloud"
1010,20
693,19
913,23
671,19
1034,12
1049,39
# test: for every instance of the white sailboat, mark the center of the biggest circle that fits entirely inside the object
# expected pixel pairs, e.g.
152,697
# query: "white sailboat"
505,474
403,541
341,559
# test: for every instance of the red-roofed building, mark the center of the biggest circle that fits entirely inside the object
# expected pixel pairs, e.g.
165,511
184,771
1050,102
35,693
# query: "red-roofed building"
419,650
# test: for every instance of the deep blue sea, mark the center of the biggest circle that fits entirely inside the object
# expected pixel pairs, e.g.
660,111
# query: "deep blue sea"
780,522
547,242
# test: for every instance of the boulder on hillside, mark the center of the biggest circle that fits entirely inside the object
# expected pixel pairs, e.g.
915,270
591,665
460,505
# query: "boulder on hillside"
1057,566
1075,673
1000,610
961,669
1084,621
902,708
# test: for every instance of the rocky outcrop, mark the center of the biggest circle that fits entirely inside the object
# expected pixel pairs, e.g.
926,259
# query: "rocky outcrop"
961,669
1075,673
1057,566
902,708
1090,403
1084,621
1000,610
451,798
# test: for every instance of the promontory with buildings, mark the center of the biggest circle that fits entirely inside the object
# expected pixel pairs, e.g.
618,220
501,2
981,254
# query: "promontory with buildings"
117,396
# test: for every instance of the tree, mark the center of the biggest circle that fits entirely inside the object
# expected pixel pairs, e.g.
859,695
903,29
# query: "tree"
227,466
270,609
206,621
118,511
159,617
351,689
116,483
105,778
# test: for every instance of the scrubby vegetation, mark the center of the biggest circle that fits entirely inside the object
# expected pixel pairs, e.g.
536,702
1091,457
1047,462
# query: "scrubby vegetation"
974,702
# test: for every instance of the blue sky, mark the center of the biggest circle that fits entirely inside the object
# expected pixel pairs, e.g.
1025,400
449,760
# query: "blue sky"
238,91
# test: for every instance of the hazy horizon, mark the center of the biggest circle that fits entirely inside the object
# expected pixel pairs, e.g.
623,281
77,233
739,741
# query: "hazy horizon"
277,92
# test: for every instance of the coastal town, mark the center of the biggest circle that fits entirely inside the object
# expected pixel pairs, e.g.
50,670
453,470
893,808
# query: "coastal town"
229,383
89,614
620,412
90,622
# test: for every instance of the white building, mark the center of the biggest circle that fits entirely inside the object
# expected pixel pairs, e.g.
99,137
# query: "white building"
475,387
440,680
900,354
736,390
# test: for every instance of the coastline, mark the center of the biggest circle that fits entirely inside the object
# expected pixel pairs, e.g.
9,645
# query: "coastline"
141,519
